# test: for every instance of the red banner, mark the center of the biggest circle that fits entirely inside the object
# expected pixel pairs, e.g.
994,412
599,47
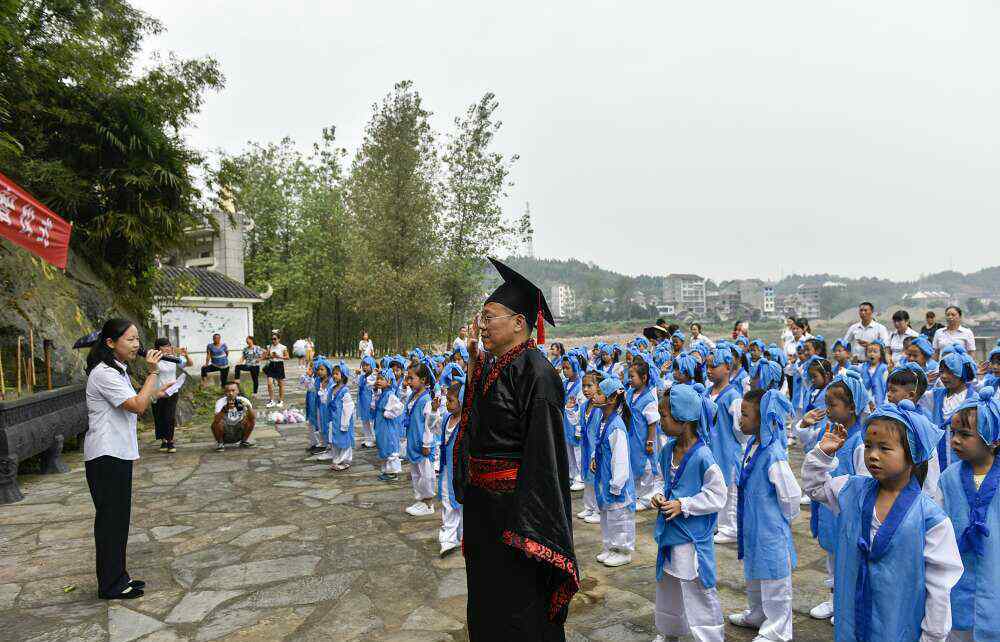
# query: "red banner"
36,228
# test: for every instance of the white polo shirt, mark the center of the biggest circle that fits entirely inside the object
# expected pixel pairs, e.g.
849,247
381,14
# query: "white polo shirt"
945,337
869,333
111,428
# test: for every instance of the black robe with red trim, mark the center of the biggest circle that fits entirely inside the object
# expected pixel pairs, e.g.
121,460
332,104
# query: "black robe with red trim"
512,477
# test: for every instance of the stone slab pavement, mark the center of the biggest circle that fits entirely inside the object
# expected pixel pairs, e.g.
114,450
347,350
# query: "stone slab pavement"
259,544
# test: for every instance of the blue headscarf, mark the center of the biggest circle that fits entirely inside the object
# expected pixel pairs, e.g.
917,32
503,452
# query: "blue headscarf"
641,343
386,361
462,350
912,367
452,372
722,355
416,354
344,370
686,364
922,436
767,373
700,347
995,352
654,371
760,345
775,409
959,363
574,364
320,361
678,335
370,361
856,385
688,403
606,348
390,376
846,345
924,345
742,343
610,385
987,414
777,354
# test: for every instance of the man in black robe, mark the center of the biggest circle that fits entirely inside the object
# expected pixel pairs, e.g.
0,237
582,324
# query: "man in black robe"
511,475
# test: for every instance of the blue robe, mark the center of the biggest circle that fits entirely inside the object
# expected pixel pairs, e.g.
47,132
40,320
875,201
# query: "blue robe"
446,478
822,522
975,600
875,383
696,529
895,600
387,431
637,431
364,399
590,427
764,540
944,451
725,447
334,410
572,389
415,429
602,478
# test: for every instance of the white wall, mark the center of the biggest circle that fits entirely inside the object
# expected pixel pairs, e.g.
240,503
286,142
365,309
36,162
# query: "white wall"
198,324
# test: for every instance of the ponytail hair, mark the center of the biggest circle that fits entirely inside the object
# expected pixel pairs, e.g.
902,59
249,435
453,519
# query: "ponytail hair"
622,405
642,369
100,352
423,372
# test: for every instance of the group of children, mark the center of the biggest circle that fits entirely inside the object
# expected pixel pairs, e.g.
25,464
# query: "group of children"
899,472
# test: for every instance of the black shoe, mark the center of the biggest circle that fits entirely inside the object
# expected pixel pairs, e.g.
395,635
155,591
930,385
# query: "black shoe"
128,594
247,444
315,450
383,477
163,445
137,584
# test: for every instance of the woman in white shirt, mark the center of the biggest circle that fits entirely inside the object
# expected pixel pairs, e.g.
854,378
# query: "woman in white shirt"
954,332
365,347
110,447
165,409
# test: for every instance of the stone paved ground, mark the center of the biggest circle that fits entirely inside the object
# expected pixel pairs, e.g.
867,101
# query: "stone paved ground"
255,545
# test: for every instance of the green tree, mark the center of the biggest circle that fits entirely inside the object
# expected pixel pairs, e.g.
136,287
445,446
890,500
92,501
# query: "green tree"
473,224
96,142
394,199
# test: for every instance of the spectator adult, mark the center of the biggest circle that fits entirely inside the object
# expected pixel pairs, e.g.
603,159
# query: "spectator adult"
165,408
931,326
250,362
110,447
697,336
274,370
741,329
216,360
365,347
657,333
462,340
954,332
786,334
234,419
864,332
901,330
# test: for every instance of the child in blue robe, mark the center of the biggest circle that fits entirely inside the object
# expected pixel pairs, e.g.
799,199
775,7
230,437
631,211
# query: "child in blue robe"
727,440
969,494
875,372
643,432
312,380
573,389
694,491
613,482
420,439
366,379
589,419
897,558
387,410
768,502
339,419
450,535
958,376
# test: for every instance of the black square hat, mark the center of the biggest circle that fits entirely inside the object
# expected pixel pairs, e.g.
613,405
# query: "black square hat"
522,297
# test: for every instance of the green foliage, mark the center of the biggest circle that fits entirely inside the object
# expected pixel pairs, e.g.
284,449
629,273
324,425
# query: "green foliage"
96,142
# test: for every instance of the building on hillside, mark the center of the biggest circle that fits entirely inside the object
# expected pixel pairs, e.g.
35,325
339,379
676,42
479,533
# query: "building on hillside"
666,310
928,298
768,307
805,302
201,291
686,292
562,301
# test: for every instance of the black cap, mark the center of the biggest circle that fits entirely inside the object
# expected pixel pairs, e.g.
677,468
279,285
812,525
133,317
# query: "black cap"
520,295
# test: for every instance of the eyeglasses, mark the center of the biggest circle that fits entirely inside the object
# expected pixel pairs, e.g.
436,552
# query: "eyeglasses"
482,320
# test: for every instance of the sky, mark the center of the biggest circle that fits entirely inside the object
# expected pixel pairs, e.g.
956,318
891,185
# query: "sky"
731,139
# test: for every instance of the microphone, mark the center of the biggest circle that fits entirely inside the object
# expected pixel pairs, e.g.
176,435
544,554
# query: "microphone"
166,357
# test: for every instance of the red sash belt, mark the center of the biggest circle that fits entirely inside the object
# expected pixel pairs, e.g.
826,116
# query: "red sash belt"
497,475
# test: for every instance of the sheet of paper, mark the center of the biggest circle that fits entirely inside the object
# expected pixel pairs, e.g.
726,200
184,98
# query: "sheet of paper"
176,385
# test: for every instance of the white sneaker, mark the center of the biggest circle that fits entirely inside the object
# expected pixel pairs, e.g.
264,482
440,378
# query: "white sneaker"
804,500
280,404
269,404
422,510
447,548
721,538
617,559
640,506
576,486
593,518
412,509
584,513
822,611
603,555
742,619
325,456
832,618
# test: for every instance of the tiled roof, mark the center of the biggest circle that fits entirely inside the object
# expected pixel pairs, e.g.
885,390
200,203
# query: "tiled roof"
208,284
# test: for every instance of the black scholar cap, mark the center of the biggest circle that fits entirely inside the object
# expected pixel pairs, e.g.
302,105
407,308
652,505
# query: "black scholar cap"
522,297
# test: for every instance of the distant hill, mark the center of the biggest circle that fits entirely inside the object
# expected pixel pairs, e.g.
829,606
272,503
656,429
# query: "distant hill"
592,282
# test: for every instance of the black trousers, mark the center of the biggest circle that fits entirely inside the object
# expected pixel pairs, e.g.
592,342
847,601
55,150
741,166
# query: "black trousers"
222,370
110,481
165,417
507,599
254,374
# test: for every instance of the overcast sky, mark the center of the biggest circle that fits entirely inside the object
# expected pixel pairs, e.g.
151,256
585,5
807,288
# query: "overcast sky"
730,138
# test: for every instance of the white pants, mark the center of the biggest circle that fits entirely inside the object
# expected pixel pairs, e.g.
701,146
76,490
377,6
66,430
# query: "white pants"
367,433
573,455
392,465
771,605
645,485
727,516
618,529
342,455
829,572
451,524
422,476
590,497
316,437
685,607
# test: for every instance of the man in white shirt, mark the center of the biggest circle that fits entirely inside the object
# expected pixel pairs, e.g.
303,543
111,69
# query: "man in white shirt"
864,332
954,332
462,340
901,323
234,419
